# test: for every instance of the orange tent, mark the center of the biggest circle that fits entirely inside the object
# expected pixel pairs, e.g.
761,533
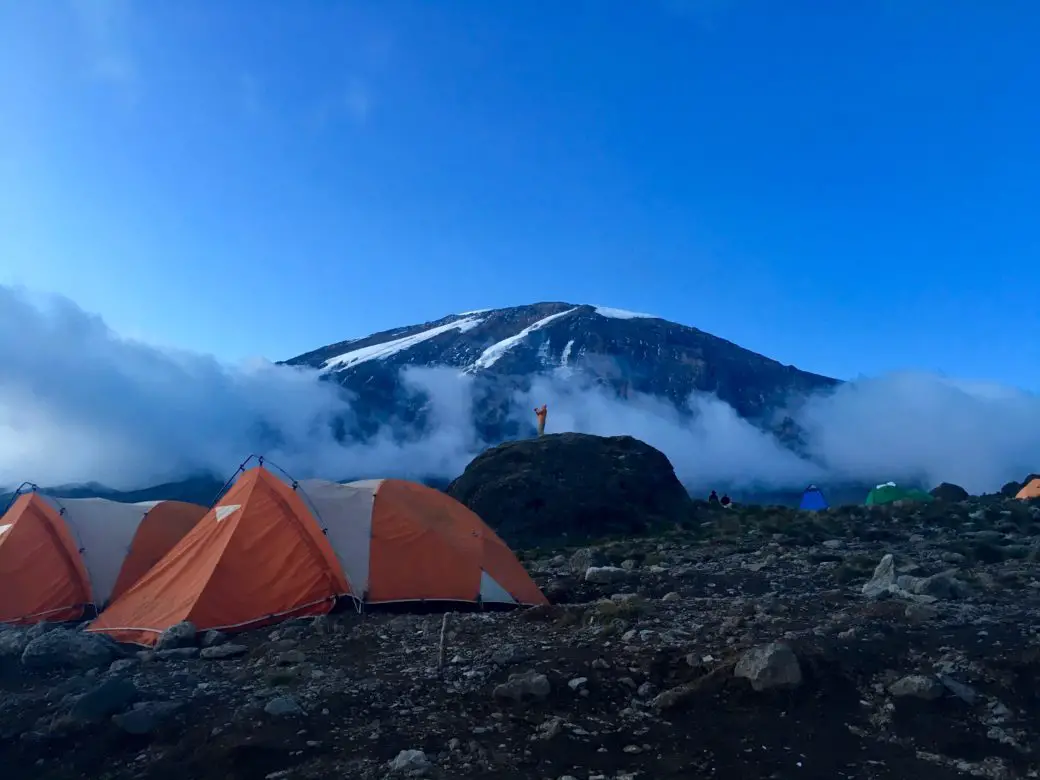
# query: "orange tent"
401,541
1031,490
270,550
60,556
257,557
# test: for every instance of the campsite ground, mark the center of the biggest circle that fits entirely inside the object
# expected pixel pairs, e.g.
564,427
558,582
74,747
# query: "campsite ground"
932,674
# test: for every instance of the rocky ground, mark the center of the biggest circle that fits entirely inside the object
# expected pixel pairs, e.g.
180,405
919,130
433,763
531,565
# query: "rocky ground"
761,643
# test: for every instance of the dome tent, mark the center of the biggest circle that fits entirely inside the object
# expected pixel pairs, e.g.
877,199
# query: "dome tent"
1030,490
274,548
813,500
890,492
63,559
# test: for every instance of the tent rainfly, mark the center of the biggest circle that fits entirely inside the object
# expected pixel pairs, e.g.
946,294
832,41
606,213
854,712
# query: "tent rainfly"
270,550
890,492
62,559
813,500
1029,490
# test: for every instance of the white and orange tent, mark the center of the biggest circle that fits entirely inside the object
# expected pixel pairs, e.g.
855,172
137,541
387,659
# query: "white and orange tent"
271,549
61,559
1030,490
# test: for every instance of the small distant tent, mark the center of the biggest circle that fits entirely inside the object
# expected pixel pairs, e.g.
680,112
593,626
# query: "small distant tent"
890,492
271,549
1030,490
63,559
813,500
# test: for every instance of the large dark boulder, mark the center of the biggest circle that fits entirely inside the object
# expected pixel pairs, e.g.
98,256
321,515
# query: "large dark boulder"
1010,489
947,491
569,487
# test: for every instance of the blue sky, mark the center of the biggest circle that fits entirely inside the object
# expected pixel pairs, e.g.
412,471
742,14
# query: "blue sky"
850,187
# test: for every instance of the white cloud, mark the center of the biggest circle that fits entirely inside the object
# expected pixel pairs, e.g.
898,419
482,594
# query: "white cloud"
80,403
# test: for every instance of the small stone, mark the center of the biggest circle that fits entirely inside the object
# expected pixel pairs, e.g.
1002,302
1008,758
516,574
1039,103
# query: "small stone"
65,649
526,685
221,652
584,559
920,613
213,638
282,706
883,580
146,717
770,666
918,686
604,575
178,653
183,634
291,658
577,683
105,700
672,596
413,762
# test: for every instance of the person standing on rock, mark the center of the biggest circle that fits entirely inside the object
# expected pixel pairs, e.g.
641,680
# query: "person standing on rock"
542,413
713,498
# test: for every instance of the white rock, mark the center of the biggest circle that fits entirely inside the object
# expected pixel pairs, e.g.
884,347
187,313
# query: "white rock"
770,666
410,761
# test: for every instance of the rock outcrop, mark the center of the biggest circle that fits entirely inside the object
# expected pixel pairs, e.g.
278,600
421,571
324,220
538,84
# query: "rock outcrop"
947,491
572,486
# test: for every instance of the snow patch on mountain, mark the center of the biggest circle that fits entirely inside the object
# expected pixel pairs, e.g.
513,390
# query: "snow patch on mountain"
622,314
388,348
494,353
566,356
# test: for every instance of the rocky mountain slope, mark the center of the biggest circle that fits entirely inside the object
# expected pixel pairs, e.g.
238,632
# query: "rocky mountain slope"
504,349
859,643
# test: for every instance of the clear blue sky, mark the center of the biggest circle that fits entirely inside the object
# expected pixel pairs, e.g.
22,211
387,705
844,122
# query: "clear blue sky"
852,187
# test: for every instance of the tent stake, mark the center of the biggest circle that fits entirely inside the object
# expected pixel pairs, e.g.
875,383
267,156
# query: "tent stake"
440,649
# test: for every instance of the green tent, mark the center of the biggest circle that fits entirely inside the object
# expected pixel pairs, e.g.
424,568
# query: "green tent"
890,491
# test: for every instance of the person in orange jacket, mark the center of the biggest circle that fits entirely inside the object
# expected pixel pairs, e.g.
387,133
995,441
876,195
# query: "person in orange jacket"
542,413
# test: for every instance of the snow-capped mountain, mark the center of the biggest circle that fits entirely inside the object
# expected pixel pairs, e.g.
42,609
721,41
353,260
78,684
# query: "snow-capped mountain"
505,349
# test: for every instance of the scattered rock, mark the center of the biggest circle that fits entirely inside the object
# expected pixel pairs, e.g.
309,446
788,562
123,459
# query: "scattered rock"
525,685
947,491
221,652
585,558
108,698
282,706
67,649
212,638
919,686
181,635
178,653
884,580
604,575
146,717
413,762
13,642
770,666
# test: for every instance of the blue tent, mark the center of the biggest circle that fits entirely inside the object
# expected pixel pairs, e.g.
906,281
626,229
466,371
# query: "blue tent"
813,500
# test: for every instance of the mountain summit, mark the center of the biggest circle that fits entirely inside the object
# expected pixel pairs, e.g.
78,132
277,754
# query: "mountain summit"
505,349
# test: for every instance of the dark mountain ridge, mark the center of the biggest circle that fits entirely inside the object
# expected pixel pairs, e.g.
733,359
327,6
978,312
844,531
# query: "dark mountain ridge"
504,350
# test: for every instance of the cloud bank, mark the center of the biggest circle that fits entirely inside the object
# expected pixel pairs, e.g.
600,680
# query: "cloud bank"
79,403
